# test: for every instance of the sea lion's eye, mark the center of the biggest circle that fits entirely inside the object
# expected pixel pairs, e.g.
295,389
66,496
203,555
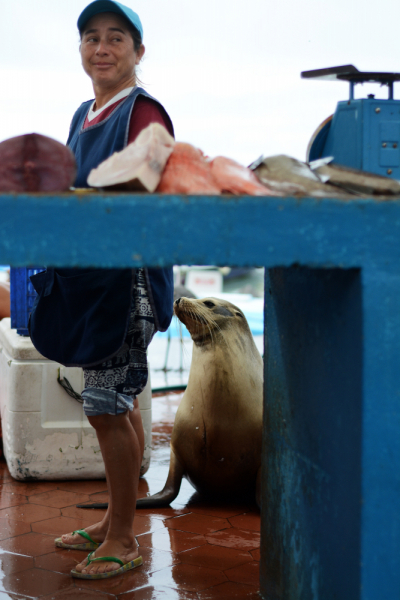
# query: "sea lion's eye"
209,304
238,314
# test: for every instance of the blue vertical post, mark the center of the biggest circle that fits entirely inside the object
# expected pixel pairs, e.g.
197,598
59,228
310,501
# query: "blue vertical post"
380,522
311,505
330,520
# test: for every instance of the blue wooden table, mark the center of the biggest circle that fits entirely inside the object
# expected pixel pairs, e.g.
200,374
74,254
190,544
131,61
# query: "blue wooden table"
331,456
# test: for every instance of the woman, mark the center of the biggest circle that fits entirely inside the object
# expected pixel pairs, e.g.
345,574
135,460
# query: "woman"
103,320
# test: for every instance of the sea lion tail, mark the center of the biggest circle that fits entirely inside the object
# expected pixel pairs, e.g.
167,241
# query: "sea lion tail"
170,490
102,505
163,498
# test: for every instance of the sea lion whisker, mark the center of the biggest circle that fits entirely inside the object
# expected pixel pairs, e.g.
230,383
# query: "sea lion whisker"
205,322
210,321
180,332
209,318
196,318
178,324
183,347
192,315
203,317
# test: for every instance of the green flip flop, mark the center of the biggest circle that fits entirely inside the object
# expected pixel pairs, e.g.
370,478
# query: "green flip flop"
132,564
89,545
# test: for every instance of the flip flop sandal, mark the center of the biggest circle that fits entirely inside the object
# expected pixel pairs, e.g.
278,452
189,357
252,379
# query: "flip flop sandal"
136,562
89,545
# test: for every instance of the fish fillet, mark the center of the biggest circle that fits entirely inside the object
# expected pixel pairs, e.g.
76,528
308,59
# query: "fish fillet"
233,178
139,166
187,172
35,163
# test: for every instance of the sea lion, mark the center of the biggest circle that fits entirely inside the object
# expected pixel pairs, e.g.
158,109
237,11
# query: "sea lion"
216,438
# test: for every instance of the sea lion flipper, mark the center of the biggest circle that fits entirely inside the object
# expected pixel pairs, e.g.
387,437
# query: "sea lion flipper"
258,488
171,487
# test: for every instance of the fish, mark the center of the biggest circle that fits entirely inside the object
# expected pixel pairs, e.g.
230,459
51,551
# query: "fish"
139,166
35,163
289,176
354,181
234,178
187,172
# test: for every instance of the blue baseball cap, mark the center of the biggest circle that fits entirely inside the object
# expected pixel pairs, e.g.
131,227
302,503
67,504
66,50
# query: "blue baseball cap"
101,6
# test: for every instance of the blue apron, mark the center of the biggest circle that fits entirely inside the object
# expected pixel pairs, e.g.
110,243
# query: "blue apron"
80,316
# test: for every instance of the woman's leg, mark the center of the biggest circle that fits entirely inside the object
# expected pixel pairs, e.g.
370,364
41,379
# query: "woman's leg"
98,531
137,424
121,453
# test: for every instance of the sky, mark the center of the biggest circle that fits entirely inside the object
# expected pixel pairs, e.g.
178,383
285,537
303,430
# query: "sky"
227,71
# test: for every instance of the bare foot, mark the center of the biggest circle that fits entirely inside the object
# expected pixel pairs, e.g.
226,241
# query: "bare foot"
97,532
125,552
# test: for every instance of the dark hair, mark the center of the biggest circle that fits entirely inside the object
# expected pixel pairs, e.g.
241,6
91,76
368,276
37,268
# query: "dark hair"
137,38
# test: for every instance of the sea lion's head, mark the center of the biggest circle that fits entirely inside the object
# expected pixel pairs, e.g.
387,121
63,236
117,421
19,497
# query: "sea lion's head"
208,320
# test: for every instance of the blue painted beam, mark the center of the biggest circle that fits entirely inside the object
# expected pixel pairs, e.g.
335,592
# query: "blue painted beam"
131,230
331,458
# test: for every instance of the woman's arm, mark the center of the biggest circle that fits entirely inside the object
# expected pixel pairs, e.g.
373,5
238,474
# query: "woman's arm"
146,111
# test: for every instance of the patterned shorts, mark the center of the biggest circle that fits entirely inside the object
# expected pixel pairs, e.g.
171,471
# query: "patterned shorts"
111,387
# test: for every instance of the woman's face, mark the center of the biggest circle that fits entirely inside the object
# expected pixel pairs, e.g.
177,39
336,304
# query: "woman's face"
107,51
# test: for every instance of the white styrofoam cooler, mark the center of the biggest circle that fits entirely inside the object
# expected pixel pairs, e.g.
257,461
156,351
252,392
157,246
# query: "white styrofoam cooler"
46,435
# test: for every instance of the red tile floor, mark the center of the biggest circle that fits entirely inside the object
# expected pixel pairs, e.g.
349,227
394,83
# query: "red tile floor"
197,549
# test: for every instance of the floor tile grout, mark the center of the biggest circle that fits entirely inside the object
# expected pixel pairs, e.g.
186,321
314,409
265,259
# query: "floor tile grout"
175,558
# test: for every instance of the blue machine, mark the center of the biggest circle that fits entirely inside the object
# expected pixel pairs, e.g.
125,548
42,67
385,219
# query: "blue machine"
362,134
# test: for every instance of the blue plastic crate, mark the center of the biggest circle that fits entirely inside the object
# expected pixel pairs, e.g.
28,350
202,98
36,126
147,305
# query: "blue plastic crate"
22,297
